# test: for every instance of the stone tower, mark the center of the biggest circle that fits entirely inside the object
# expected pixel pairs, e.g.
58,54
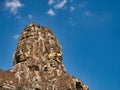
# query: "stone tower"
38,64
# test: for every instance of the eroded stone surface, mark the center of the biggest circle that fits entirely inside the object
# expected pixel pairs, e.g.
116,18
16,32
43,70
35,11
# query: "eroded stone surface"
38,64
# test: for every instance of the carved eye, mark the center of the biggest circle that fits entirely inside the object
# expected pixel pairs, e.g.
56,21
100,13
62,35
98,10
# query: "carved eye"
45,69
28,30
52,38
34,67
37,89
52,65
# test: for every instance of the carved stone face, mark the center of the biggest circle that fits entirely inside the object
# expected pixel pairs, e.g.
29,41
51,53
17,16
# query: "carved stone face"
35,43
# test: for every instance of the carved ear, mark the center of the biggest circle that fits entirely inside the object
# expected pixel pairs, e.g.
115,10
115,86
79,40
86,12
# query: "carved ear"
14,58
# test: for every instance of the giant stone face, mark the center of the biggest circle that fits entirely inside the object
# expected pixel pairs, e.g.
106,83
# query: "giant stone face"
35,43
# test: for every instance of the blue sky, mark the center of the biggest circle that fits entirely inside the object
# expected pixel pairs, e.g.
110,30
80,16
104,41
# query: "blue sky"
88,30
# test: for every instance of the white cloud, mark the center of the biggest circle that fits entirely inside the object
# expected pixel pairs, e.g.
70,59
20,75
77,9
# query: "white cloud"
83,5
71,1
18,17
51,12
16,36
60,5
50,2
13,5
72,8
71,21
29,16
88,13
